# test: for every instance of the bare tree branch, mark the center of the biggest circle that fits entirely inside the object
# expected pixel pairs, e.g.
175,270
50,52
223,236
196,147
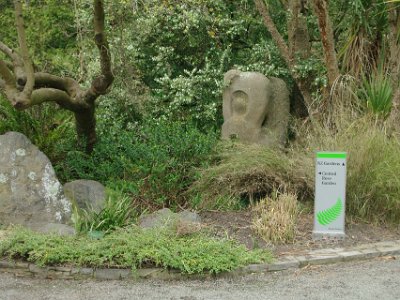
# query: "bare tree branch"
9,52
276,36
101,83
8,82
30,82
17,63
48,94
25,88
65,84
6,74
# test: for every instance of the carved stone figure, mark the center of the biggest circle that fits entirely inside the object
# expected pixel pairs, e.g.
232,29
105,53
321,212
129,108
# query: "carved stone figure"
255,108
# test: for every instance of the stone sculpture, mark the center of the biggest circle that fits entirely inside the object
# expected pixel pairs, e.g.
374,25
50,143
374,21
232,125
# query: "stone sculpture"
255,108
30,193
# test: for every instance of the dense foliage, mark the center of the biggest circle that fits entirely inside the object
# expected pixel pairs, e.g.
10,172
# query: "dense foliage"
159,125
153,161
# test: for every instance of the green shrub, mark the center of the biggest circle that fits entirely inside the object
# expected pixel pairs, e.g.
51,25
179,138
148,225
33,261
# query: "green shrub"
155,161
181,49
132,248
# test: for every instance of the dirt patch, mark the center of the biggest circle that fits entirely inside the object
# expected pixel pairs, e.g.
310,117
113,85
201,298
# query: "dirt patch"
237,225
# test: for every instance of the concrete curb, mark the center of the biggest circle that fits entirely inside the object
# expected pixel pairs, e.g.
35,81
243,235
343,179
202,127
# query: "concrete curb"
314,257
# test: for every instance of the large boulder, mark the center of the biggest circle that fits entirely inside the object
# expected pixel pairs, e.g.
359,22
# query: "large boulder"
87,194
30,193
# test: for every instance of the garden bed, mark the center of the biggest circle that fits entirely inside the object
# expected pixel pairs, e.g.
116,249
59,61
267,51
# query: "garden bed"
237,225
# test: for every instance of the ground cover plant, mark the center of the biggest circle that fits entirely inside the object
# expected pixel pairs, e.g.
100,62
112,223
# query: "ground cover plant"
133,248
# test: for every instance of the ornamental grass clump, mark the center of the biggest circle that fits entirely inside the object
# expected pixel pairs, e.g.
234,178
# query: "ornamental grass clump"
250,172
275,218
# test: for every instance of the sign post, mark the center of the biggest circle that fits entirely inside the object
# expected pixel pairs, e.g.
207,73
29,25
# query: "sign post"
330,195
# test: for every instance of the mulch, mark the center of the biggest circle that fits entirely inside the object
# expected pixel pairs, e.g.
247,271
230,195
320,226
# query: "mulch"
237,225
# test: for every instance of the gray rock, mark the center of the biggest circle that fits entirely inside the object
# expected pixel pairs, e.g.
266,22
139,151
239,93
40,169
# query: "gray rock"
183,223
53,228
160,218
30,193
87,194
189,216
255,108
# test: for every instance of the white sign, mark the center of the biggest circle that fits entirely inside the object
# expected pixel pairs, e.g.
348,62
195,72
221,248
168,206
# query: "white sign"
330,195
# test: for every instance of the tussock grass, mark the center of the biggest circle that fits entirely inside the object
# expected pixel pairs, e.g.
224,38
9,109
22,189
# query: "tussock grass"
250,172
276,218
373,167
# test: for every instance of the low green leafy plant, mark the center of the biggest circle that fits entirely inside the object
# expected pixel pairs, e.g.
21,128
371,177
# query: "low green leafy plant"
133,248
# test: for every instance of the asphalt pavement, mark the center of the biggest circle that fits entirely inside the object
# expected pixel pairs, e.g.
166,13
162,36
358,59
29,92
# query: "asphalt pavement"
378,278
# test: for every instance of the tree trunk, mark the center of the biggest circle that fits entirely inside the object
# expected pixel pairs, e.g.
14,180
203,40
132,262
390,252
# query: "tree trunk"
327,39
299,48
300,100
86,127
394,64
276,36
298,35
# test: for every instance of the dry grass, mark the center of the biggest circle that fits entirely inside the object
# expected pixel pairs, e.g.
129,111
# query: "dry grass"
276,218
373,178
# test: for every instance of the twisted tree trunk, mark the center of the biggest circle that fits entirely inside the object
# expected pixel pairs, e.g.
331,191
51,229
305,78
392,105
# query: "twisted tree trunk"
25,88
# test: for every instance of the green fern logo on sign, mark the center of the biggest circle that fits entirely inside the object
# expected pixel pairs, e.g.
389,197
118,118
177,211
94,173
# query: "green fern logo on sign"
329,215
